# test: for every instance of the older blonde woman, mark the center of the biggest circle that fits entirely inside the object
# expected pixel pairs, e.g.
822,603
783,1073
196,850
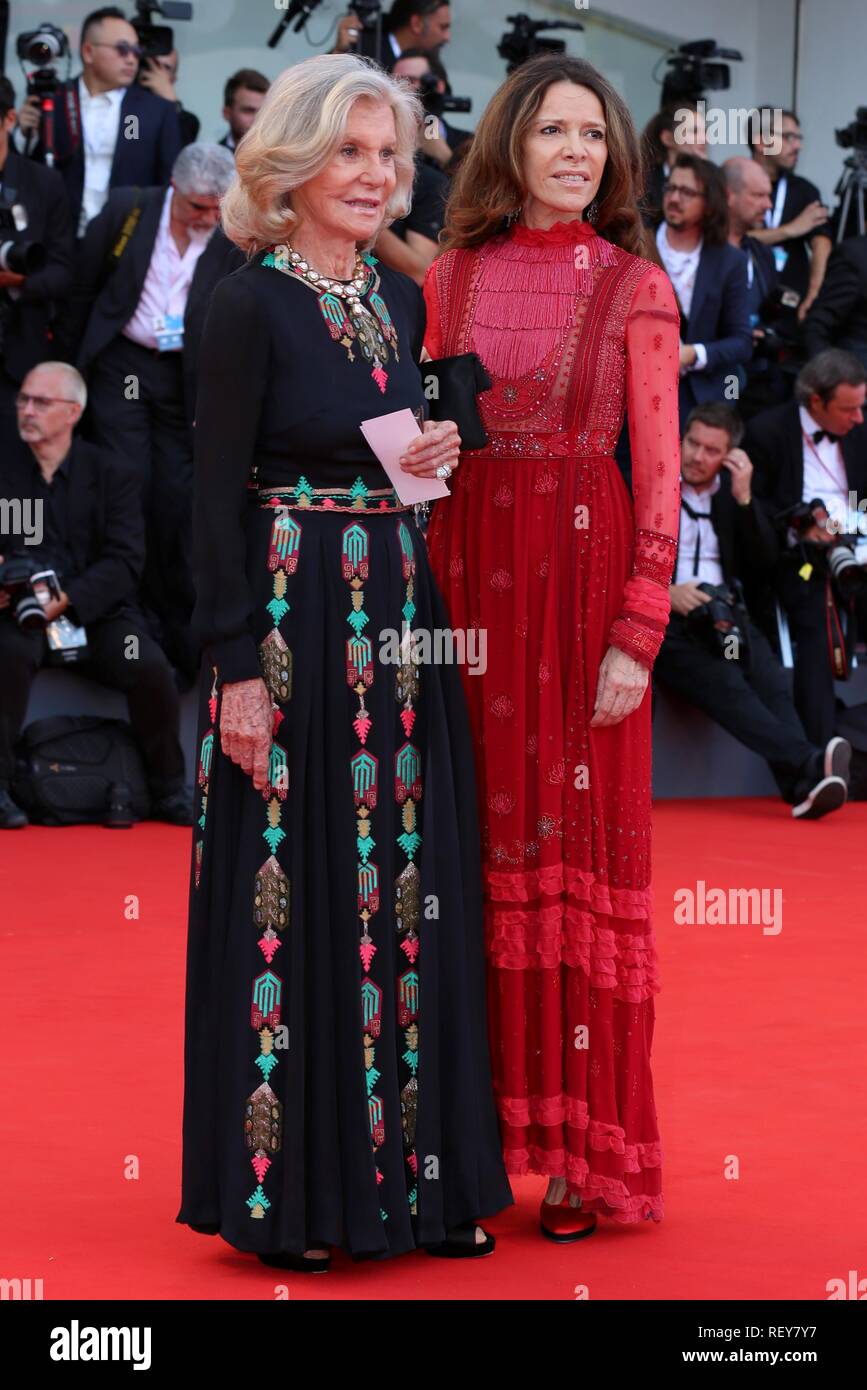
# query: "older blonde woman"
337,1075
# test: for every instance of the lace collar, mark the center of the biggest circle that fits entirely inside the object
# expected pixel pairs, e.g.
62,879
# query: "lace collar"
560,234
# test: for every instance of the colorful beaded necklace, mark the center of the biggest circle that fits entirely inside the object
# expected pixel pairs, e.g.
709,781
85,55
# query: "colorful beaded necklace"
349,319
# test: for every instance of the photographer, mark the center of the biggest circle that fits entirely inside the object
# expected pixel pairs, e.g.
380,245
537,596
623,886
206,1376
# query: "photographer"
749,198
142,323
426,75
33,214
92,537
160,75
810,457
796,224
713,655
109,132
838,316
422,24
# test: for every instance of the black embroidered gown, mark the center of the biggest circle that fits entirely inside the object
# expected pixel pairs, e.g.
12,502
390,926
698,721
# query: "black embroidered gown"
337,1075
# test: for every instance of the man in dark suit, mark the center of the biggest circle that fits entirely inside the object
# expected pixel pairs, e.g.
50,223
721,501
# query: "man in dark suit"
710,280
137,333
814,448
796,224
109,131
725,537
89,530
838,317
28,302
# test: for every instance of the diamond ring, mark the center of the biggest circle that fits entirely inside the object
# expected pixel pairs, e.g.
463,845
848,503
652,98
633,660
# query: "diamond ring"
444,470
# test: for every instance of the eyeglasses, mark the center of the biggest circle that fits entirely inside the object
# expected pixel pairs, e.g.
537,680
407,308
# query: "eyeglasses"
790,136
682,190
41,403
123,48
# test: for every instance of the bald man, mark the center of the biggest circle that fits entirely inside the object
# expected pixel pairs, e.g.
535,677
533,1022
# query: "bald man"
749,198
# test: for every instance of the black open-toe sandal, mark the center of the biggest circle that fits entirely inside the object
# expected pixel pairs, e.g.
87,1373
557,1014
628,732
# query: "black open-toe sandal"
301,1264
461,1244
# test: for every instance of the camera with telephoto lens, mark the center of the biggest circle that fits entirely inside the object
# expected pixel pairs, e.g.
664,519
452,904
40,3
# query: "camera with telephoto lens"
722,618
848,575
43,47
22,257
19,575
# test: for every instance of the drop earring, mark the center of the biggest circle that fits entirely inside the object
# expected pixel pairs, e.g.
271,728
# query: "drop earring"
514,214
591,212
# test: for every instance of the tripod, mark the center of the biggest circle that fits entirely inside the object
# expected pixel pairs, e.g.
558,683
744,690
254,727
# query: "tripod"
852,190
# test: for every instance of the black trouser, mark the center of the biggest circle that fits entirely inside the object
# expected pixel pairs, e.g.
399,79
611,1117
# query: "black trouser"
152,433
804,602
147,681
754,704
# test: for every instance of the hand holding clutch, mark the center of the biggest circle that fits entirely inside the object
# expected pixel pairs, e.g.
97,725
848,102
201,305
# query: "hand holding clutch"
458,380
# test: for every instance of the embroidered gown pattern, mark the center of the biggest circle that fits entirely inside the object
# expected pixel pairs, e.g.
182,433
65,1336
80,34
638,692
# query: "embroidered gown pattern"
541,547
314,1113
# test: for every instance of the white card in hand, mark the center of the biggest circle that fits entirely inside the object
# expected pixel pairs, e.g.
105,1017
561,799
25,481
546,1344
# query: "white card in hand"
388,437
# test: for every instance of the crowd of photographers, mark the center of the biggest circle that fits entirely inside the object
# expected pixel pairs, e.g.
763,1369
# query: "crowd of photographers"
110,247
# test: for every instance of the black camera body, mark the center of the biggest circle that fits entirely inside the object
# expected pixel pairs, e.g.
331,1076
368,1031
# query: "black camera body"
22,257
156,40
436,103
722,618
854,135
44,48
18,577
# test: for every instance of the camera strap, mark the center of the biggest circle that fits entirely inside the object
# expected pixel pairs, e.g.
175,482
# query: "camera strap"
699,517
836,642
73,115
112,261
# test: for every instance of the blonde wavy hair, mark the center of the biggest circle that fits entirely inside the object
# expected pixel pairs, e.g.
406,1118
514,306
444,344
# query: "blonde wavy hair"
297,131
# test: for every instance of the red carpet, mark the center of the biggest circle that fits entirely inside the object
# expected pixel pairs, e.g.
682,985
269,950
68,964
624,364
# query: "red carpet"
759,1054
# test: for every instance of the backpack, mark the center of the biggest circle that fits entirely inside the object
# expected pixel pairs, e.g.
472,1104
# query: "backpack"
68,766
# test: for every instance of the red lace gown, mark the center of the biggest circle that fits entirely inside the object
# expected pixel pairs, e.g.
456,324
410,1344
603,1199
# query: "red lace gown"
542,549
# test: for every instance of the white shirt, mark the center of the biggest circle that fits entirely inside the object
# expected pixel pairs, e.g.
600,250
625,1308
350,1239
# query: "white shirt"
681,267
100,125
167,283
825,474
709,563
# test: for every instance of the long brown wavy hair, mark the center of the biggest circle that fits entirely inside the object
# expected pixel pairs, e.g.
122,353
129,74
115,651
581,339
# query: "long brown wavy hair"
489,184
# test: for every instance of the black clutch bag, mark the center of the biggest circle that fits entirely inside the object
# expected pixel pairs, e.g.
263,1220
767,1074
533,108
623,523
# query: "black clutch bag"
458,380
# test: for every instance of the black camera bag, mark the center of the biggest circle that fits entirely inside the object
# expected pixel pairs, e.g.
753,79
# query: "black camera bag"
68,765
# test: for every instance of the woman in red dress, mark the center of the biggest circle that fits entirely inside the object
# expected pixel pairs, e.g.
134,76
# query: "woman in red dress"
541,546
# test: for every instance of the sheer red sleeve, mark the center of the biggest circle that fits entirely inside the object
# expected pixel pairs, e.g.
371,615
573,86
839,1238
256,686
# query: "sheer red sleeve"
433,338
652,377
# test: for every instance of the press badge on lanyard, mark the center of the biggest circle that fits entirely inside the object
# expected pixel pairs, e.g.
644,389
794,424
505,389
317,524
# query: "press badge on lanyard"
169,332
773,218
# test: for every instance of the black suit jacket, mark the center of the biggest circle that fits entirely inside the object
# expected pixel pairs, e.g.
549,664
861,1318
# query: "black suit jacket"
747,541
719,317
144,156
775,444
96,316
838,317
105,527
27,338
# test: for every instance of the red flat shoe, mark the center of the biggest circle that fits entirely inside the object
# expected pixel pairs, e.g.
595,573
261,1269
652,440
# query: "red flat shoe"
562,1223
